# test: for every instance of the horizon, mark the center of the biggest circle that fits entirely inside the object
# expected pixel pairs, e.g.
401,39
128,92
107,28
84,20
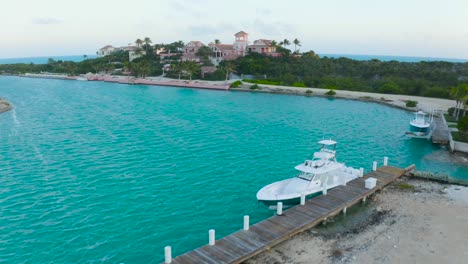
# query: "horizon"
49,27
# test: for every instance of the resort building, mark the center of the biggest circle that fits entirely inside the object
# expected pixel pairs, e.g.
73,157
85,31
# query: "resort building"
262,46
190,51
105,51
241,43
223,52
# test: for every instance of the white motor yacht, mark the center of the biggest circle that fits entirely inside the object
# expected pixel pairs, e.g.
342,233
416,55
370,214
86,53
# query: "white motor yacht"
321,173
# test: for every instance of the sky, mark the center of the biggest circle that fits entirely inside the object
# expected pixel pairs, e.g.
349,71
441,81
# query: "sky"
426,28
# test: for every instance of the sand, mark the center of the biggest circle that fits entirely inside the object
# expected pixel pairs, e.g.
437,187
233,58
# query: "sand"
426,104
424,224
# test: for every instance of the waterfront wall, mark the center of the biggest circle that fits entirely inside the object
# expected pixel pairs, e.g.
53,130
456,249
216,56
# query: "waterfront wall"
460,146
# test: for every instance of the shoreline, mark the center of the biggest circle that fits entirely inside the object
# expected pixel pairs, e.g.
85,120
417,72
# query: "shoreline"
5,105
407,222
426,104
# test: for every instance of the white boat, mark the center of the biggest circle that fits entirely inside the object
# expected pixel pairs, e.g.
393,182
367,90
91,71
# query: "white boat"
421,126
321,173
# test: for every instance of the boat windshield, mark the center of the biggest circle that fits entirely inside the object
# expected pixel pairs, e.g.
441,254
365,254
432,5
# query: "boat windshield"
305,176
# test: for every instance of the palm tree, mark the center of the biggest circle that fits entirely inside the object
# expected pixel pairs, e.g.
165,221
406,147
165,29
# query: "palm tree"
190,67
228,68
274,43
455,93
147,42
285,43
177,68
139,42
217,41
138,51
296,43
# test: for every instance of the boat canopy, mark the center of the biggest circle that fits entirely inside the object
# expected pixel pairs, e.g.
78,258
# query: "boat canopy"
324,155
327,142
318,166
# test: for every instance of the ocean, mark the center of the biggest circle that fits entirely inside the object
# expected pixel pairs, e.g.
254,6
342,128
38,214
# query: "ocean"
112,173
391,58
44,59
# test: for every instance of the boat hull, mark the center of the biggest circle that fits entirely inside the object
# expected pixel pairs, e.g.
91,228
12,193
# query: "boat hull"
289,202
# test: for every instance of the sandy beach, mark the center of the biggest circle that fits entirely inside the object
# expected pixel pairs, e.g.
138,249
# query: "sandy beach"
411,221
426,104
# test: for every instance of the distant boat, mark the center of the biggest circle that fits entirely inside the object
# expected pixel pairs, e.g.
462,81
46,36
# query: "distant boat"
322,172
421,126
81,79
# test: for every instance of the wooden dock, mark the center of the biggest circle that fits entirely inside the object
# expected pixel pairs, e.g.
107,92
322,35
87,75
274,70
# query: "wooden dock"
440,135
244,244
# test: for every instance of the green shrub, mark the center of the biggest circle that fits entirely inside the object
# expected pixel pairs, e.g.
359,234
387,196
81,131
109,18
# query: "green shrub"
449,118
270,82
463,125
299,84
254,87
459,136
331,92
410,103
235,84
308,92
451,110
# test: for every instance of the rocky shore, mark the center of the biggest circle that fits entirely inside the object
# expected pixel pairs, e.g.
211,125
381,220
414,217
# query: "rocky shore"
412,221
4,105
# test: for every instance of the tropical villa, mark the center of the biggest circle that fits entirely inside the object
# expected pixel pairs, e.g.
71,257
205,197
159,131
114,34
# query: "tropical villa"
190,51
240,47
263,46
106,50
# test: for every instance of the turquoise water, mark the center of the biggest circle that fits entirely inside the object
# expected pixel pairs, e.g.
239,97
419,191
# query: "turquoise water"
392,58
101,172
44,59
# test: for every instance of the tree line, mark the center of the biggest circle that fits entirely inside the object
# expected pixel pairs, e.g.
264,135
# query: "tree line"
292,68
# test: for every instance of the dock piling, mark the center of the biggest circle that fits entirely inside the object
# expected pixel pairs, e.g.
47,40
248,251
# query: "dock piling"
361,171
279,208
211,234
167,255
324,192
385,161
374,166
246,222
303,199
344,210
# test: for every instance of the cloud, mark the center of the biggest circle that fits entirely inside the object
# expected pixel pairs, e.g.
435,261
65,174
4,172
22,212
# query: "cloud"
273,28
46,21
263,11
211,30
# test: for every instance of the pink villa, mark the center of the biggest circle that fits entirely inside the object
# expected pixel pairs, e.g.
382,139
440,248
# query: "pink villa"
190,51
263,46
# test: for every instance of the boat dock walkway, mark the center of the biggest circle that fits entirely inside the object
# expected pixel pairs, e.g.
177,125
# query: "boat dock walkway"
244,244
440,135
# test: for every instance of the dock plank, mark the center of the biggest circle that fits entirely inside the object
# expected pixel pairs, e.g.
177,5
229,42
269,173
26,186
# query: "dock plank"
242,245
